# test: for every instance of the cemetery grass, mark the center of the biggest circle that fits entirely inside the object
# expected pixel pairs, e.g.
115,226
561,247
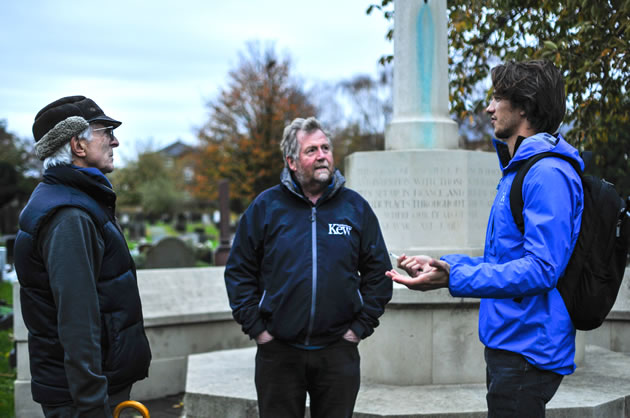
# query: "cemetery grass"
7,374
209,230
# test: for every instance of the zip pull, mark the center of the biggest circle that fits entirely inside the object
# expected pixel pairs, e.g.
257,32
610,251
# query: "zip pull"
313,212
620,222
623,213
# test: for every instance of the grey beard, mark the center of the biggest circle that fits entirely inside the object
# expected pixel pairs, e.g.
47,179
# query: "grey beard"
314,185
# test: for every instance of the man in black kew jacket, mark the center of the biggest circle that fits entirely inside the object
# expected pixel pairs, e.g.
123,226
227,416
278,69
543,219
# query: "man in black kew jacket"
79,293
306,279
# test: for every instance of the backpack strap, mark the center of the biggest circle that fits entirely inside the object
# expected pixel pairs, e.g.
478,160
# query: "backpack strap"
516,190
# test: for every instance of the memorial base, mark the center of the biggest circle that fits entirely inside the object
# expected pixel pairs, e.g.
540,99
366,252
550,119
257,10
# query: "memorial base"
429,338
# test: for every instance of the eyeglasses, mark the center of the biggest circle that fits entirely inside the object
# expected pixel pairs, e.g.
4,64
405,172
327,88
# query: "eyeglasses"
109,131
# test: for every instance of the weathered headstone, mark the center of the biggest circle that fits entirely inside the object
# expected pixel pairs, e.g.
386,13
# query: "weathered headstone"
180,222
201,234
170,252
3,262
136,230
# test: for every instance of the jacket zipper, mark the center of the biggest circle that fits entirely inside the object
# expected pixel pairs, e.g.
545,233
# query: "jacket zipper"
360,296
311,321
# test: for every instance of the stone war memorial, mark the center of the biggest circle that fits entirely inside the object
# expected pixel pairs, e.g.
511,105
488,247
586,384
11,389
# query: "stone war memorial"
430,198
425,359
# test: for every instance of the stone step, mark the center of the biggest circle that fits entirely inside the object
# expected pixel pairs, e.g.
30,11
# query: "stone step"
221,384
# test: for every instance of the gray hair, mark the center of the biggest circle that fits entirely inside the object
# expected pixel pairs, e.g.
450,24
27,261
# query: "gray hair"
290,146
63,155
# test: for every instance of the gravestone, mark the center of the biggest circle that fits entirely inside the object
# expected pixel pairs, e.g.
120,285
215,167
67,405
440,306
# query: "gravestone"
170,252
136,230
3,262
201,234
180,222
9,244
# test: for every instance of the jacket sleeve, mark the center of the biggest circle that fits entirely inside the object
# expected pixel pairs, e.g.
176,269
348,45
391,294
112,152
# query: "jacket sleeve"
553,204
376,287
72,249
242,273
452,259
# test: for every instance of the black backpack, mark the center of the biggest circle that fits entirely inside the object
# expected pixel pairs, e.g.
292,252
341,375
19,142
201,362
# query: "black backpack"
594,273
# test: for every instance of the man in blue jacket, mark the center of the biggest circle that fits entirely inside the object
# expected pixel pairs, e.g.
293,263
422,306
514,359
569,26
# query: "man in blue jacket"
523,322
78,288
306,279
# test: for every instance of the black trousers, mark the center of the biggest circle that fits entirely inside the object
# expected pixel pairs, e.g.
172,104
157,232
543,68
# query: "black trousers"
284,374
515,387
69,411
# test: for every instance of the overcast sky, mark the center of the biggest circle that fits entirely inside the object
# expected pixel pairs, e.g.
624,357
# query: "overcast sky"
154,64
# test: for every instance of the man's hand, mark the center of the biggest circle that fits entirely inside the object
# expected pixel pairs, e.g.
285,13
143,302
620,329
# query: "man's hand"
425,273
264,337
351,336
414,265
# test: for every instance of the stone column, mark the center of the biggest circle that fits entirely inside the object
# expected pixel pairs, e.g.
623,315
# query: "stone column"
421,114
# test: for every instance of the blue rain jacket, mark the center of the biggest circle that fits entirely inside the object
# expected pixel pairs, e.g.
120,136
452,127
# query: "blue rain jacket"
528,265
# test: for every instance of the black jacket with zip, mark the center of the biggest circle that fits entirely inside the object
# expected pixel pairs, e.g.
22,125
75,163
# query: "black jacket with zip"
79,293
307,273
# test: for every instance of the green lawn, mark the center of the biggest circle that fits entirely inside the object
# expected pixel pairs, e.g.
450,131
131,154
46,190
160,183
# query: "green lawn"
7,374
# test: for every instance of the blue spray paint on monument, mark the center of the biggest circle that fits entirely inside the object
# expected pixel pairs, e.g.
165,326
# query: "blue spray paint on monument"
425,53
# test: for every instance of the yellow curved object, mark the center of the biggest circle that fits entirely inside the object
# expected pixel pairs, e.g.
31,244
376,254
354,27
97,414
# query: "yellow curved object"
131,404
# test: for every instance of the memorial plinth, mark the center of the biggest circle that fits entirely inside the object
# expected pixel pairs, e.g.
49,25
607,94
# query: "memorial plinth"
425,339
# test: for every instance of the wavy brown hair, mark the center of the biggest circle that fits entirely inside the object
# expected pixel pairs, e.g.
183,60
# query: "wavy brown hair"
536,87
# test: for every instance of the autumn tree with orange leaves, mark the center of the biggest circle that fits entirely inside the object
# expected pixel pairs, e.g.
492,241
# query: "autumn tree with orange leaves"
241,139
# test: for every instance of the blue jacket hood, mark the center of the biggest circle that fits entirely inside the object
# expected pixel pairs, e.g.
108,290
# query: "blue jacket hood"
536,144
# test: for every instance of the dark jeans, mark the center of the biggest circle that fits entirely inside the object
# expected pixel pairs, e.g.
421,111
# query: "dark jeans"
69,411
515,387
284,374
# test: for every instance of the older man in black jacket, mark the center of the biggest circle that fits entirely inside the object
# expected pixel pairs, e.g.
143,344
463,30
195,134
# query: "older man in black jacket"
79,293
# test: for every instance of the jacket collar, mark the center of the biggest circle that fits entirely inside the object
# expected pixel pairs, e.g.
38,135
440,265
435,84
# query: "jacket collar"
288,180
93,184
530,146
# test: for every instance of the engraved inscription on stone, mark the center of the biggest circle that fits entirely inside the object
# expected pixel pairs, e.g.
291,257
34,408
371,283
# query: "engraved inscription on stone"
438,202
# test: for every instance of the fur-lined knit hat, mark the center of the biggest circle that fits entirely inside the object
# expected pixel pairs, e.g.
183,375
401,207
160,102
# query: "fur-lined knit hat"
58,122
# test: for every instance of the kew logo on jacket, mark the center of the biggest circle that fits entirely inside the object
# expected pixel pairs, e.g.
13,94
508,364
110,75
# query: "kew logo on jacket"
339,229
